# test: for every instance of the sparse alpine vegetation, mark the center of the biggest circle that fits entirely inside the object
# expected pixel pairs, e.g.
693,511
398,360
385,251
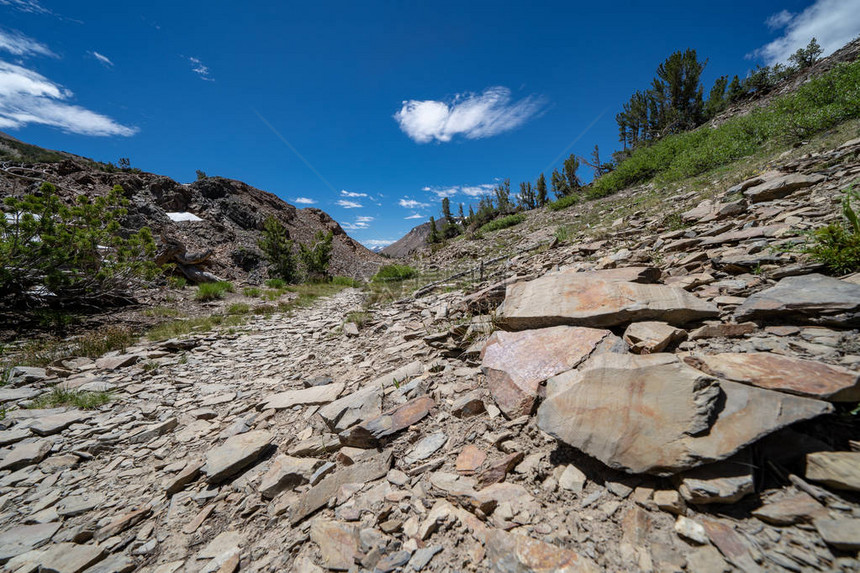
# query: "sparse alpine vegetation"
838,244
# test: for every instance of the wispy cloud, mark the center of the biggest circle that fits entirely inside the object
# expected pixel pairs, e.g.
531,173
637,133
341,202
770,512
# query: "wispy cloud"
31,6
412,204
469,190
376,243
359,223
18,44
304,201
349,204
201,69
102,58
472,115
833,23
28,97
345,193
415,216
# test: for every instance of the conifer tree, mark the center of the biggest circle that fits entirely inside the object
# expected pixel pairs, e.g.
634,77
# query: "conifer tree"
446,209
559,184
434,232
541,191
571,165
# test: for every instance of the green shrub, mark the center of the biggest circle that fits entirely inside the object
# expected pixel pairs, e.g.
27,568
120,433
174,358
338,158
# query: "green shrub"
251,292
359,317
70,255
316,258
213,291
563,202
276,283
503,223
819,104
177,282
836,246
562,233
59,396
394,272
238,308
279,251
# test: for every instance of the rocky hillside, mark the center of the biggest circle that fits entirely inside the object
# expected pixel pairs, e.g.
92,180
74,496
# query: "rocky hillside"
654,393
217,214
410,243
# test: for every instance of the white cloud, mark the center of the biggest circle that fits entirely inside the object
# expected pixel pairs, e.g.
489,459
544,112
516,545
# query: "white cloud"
472,115
28,97
31,6
363,219
415,216
349,204
412,204
304,201
833,23
358,224
374,243
200,69
102,58
779,20
18,44
345,193
470,190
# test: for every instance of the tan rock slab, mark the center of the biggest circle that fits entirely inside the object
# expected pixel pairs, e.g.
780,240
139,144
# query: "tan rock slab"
287,472
338,543
305,397
840,533
353,408
796,508
655,414
188,474
470,460
114,362
235,454
517,553
781,186
25,454
840,470
723,330
582,299
811,298
70,557
783,373
727,481
516,363
649,337
367,434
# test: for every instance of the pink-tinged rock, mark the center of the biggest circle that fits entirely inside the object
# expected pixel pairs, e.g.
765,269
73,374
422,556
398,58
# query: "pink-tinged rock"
783,373
655,414
514,553
585,299
780,187
470,460
367,434
723,330
338,543
517,363
649,337
734,547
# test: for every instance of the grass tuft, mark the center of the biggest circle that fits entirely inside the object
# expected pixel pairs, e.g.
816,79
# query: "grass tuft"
213,291
59,396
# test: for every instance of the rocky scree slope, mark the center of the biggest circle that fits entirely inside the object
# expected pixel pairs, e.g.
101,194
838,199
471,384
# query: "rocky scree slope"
593,411
231,215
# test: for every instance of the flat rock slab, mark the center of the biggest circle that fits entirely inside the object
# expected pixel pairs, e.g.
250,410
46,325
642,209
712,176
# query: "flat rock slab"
70,557
649,337
235,454
56,423
15,394
840,470
25,454
338,543
367,434
800,507
319,495
840,533
654,414
583,299
783,373
516,363
23,538
780,187
352,408
287,472
810,298
727,481
426,447
114,362
305,397
514,553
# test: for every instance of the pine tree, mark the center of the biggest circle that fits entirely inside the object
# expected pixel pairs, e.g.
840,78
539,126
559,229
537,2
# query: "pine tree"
571,165
805,57
471,215
446,209
541,191
278,250
527,196
677,85
434,232
316,258
717,98
559,184
735,91
503,197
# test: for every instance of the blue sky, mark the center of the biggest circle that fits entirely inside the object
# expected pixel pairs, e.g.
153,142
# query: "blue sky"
370,110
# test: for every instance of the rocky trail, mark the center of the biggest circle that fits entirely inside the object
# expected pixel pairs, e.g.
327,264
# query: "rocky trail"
652,400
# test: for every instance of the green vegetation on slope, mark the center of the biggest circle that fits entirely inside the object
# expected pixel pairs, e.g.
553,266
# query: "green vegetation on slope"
816,106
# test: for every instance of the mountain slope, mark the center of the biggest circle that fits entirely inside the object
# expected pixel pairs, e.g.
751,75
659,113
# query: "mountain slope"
409,243
231,213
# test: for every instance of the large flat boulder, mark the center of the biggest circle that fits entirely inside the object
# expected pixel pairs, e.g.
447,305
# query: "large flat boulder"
811,298
514,553
304,397
840,470
368,433
655,414
353,408
782,373
779,187
235,454
517,363
587,299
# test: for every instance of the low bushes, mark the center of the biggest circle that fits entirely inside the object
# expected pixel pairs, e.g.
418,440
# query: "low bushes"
503,223
213,291
394,272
